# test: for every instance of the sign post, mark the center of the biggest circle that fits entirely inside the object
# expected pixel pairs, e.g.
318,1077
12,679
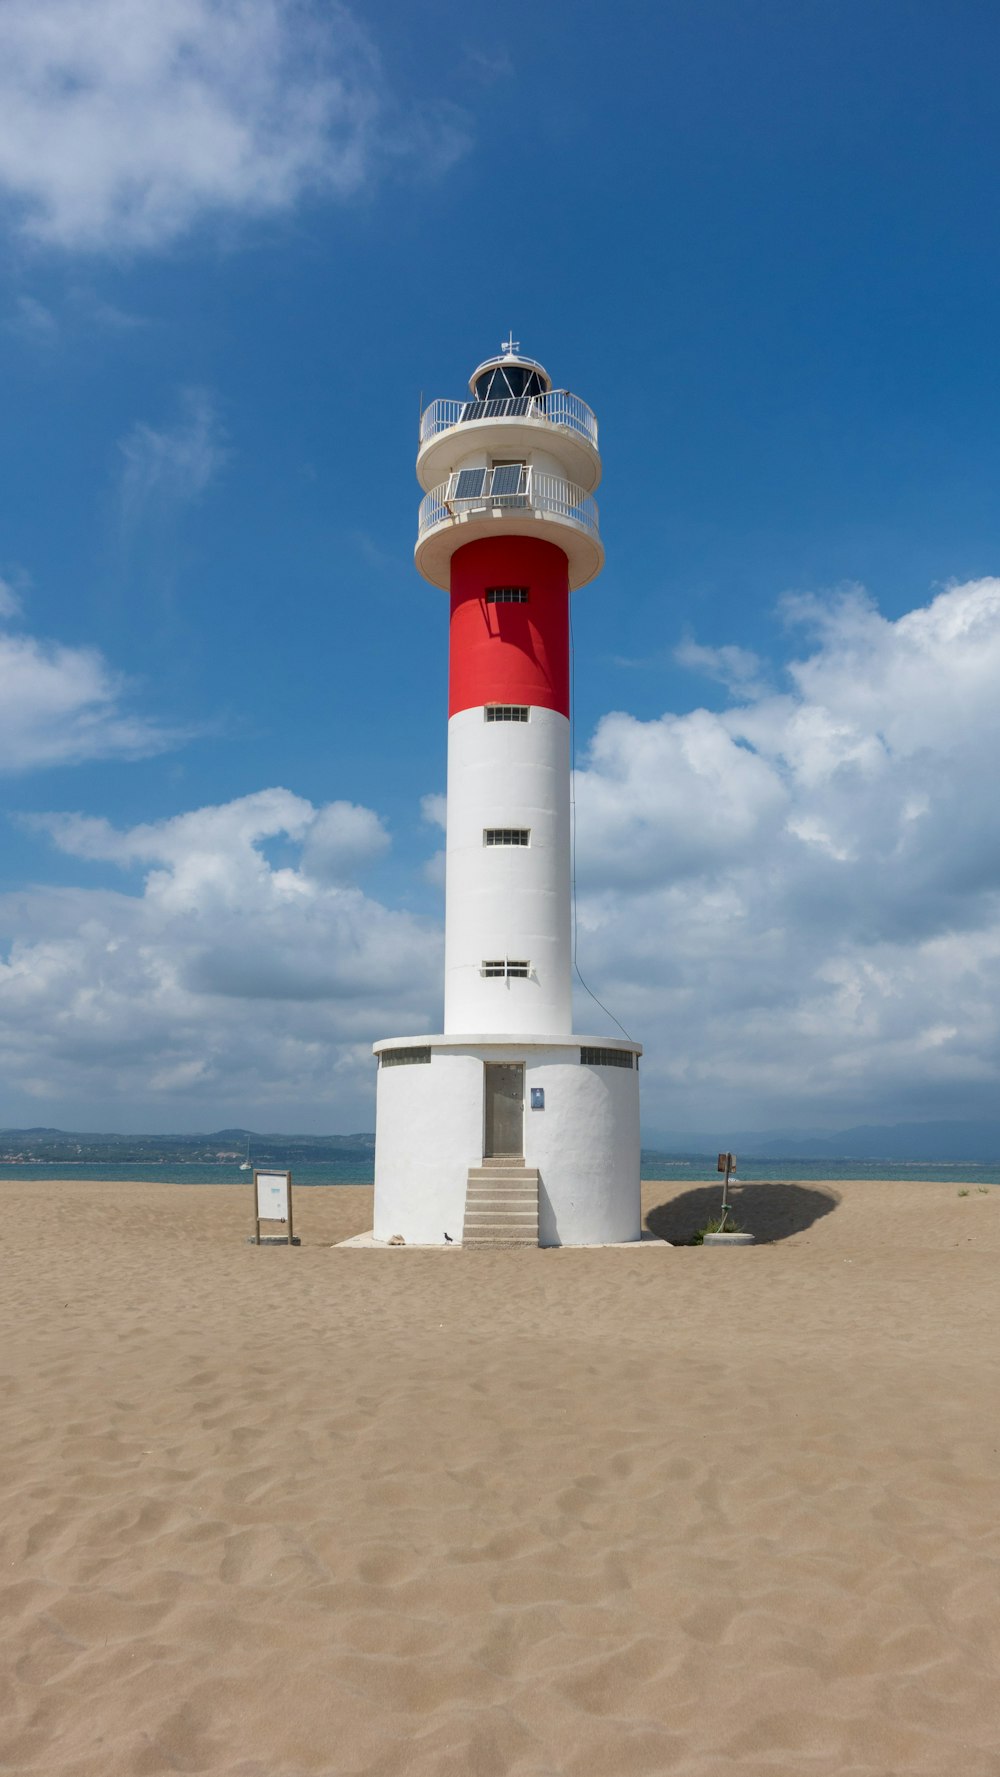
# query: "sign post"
272,1202
726,1164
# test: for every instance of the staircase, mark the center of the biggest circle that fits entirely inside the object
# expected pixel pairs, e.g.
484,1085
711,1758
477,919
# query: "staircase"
501,1204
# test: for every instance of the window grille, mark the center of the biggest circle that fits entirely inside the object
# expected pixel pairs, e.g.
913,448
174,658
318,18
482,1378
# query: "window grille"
506,835
505,968
607,1058
403,1057
506,712
506,595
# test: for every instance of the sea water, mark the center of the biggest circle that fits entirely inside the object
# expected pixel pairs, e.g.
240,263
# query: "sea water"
654,1166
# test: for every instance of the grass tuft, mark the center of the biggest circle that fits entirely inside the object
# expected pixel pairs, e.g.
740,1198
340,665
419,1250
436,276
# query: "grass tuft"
716,1225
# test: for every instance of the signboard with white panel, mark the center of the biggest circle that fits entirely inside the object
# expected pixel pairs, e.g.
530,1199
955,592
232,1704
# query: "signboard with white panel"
272,1199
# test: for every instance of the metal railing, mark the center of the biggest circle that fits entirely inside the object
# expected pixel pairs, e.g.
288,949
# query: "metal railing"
560,408
537,495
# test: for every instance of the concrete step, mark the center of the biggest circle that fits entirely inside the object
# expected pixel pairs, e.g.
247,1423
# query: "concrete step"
508,1162
515,1224
487,1219
497,1194
500,1236
492,1241
505,1186
509,1199
502,1209
492,1214
501,1203
528,1175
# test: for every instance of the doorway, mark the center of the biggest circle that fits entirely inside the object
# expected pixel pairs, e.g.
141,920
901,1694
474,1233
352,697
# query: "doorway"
504,1123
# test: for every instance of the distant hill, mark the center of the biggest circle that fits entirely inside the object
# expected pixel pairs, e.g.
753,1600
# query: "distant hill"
939,1141
78,1147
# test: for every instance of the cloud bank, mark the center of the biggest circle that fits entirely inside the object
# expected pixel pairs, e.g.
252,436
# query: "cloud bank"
227,980
794,902
64,705
122,124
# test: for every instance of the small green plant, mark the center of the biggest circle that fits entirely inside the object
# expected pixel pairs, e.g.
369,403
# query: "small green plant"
984,1190
963,1193
716,1225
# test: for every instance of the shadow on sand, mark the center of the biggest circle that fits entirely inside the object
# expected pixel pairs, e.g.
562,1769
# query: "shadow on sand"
768,1211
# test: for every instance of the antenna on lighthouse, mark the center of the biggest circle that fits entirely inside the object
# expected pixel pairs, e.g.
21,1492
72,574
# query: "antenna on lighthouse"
510,345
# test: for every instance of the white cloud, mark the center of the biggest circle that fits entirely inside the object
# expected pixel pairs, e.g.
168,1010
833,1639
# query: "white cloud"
93,310
341,840
61,706
10,603
434,809
678,787
122,124
32,321
227,980
169,466
736,668
796,902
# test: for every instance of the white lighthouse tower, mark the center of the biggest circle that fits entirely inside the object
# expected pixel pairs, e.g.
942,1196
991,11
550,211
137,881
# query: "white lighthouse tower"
508,1126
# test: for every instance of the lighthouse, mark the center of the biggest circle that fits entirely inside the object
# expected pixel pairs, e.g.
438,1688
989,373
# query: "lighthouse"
506,1127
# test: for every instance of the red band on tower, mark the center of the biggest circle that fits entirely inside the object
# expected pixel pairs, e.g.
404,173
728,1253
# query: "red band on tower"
509,653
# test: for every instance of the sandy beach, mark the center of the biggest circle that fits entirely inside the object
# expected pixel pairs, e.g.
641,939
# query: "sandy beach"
271,1512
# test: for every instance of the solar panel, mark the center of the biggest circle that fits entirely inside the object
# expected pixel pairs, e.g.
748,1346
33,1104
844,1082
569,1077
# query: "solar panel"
510,407
469,484
507,479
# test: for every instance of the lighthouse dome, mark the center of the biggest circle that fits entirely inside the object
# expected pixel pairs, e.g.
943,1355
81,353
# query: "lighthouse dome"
509,375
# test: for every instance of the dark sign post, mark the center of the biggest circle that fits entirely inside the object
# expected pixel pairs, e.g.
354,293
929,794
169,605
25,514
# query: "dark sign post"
727,1164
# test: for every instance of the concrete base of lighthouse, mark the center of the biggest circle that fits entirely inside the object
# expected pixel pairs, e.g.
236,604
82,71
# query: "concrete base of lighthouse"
584,1139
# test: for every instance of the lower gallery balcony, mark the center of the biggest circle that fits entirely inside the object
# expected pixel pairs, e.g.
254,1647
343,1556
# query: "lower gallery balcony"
481,502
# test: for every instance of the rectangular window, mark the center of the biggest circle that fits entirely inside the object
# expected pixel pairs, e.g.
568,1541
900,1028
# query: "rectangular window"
403,1057
506,595
505,968
506,712
607,1058
506,835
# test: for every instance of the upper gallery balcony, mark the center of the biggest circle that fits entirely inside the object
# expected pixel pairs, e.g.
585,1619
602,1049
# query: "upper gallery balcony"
556,422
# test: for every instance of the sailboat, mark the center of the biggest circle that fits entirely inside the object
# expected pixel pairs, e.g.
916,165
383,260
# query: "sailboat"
245,1164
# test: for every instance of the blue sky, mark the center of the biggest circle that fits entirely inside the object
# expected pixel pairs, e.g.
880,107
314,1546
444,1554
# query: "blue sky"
241,242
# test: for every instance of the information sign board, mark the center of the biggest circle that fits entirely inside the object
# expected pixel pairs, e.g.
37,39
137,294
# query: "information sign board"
272,1200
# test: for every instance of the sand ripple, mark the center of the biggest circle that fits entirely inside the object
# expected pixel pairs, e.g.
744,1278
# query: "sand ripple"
271,1514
